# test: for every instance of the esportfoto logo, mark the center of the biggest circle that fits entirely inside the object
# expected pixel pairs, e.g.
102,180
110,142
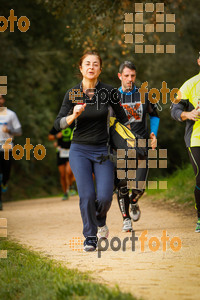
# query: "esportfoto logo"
116,244
23,23
18,151
102,95
128,164
162,22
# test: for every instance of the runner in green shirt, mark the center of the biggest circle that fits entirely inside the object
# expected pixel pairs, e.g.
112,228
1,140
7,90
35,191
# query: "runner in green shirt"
188,109
63,142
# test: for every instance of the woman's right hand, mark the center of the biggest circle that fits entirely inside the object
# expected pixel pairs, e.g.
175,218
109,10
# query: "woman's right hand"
78,109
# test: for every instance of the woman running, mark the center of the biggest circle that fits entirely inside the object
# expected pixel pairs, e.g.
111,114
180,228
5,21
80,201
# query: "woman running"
89,143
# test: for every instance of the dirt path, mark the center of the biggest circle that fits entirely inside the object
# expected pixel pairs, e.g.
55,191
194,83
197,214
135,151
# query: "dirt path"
48,225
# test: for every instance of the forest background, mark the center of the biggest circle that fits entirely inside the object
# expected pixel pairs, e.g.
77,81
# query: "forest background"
42,64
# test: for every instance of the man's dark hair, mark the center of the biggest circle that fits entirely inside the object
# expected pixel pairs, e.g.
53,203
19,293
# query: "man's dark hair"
126,64
2,96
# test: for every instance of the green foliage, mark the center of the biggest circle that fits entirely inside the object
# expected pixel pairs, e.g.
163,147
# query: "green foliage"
180,187
27,275
39,69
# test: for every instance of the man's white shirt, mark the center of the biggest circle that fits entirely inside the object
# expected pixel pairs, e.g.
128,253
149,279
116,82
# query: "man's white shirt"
12,122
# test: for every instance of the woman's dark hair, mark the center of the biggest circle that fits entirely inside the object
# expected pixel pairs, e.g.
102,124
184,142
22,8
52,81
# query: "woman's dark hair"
126,64
92,52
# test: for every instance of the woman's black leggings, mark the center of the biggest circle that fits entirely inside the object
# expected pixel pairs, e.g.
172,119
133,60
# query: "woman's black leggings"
194,154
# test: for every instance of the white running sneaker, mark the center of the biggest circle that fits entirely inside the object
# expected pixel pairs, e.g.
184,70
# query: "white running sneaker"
135,212
103,232
127,225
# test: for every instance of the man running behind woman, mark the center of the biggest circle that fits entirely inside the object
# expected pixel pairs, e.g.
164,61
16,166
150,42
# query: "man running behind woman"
136,112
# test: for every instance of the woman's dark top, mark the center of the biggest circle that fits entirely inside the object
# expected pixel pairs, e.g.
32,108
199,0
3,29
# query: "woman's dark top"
91,127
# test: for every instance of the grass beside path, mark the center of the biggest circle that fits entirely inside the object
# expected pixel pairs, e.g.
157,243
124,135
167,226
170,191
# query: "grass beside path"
26,275
180,187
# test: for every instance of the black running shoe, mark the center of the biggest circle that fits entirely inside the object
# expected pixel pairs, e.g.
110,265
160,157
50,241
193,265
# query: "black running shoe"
90,243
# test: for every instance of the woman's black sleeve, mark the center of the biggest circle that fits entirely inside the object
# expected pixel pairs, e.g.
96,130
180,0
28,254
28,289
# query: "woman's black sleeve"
118,109
67,106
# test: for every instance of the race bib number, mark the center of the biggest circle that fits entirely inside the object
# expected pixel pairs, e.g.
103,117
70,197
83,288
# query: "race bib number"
64,153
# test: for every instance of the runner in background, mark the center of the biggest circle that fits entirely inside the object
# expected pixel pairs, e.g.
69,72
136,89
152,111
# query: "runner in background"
9,127
188,109
137,115
62,142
